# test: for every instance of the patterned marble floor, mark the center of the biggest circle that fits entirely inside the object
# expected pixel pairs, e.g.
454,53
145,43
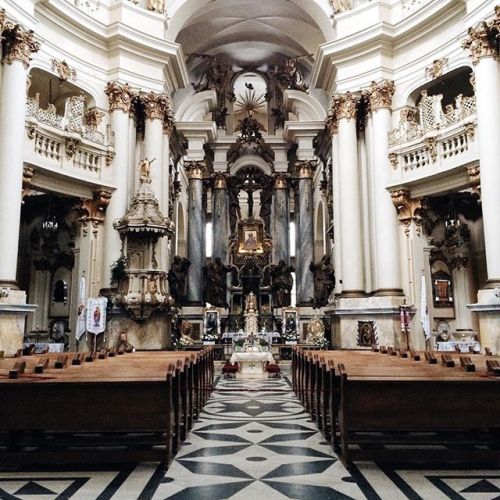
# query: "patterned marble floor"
254,440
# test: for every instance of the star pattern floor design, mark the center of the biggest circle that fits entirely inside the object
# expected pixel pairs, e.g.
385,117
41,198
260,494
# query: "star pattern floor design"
254,440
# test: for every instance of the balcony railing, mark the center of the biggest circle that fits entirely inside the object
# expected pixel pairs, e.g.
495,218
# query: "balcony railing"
66,143
428,137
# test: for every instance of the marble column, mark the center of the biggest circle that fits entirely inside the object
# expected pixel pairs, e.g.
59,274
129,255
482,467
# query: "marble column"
19,45
166,243
196,231
305,233
220,217
281,237
120,99
349,196
487,75
387,252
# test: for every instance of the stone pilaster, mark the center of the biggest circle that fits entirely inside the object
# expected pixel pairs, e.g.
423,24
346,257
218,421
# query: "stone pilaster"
281,219
220,217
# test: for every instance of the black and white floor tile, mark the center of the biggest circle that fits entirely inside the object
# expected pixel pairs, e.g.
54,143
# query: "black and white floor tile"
254,440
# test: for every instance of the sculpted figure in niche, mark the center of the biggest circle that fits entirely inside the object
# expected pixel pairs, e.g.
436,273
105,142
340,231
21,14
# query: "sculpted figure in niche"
324,281
177,279
216,283
281,284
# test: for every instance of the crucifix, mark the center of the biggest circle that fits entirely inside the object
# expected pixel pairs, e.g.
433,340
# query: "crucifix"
250,186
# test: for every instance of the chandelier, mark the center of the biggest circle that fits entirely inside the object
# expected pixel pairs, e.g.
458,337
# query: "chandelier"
50,224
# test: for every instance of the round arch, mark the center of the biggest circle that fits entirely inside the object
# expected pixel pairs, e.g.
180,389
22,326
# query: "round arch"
251,161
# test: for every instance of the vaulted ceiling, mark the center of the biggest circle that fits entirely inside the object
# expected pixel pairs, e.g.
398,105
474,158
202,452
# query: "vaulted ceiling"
250,33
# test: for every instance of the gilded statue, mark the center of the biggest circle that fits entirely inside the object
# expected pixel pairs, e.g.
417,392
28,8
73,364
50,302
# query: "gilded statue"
145,169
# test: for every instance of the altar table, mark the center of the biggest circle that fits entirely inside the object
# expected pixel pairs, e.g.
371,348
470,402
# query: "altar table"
251,362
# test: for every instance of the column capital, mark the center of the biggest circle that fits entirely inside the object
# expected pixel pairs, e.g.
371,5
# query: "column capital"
92,210
409,209
306,168
344,105
380,94
120,97
281,181
220,180
474,173
331,121
194,169
155,105
19,43
28,173
481,40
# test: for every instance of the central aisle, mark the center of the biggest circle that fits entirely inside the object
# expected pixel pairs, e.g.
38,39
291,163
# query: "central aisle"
254,440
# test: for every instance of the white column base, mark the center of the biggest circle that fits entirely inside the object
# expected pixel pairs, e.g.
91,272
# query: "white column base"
383,310
13,311
488,311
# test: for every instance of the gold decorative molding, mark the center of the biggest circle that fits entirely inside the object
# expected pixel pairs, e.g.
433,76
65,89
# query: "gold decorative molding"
482,39
380,94
64,71
19,44
92,118
155,105
474,174
157,6
92,210
409,209
28,173
194,169
281,181
409,114
306,168
331,120
344,106
119,96
220,181
437,68
3,19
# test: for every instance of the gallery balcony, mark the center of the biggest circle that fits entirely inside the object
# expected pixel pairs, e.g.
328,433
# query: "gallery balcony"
430,142
69,144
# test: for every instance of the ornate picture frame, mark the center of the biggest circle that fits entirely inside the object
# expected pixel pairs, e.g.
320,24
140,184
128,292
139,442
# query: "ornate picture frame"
250,238
211,321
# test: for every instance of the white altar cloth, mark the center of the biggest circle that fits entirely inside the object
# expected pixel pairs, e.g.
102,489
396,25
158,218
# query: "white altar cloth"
251,362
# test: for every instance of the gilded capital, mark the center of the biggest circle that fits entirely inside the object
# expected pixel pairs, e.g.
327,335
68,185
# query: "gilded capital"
194,169
119,96
19,44
344,105
155,105
331,121
380,94
481,40
281,181
409,209
28,173
306,168
220,181
474,173
93,210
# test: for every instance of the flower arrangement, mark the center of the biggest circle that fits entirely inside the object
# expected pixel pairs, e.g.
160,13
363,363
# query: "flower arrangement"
290,336
209,337
322,343
181,342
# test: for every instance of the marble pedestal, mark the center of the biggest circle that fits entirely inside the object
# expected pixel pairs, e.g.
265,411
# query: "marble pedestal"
13,311
383,310
488,310
151,334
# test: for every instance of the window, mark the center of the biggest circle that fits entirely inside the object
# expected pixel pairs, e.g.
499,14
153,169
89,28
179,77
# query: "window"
208,239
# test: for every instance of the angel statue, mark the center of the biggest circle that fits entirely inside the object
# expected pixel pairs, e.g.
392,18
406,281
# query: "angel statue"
157,6
145,169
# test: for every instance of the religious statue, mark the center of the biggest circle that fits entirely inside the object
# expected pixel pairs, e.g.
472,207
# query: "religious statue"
156,6
234,203
216,76
281,284
177,279
250,303
145,169
266,199
216,283
324,281
290,77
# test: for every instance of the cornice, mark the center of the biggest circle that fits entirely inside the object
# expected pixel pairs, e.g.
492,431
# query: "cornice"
383,35
292,130
207,130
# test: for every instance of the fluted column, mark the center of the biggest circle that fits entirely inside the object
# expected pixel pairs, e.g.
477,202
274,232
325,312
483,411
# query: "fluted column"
281,237
196,231
305,233
480,42
18,47
120,100
220,218
387,253
349,196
